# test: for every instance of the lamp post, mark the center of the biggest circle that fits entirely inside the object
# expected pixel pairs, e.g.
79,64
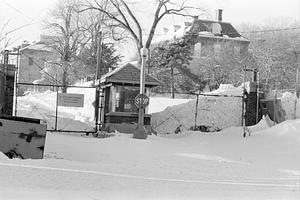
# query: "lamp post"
140,131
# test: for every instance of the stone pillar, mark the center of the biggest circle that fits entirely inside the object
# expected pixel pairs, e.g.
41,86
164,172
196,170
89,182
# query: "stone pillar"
251,105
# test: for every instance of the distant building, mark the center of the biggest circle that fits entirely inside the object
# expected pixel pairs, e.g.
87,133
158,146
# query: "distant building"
218,44
218,40
32,59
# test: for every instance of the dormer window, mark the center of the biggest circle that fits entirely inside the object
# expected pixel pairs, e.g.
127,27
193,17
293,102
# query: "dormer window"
216,29
30,60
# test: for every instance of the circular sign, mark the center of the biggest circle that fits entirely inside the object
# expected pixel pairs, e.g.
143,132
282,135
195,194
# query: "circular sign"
141,101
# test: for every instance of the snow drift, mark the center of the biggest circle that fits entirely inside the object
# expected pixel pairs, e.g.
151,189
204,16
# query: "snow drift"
217,112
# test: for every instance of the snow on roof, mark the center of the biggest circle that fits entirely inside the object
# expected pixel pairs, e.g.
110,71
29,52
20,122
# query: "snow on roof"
224,37
128,73
227,89
39,46
203,27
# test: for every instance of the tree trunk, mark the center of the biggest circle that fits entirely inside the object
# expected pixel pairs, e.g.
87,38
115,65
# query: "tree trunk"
64,80
172,83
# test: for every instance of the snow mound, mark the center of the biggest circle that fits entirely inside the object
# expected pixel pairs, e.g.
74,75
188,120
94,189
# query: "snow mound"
263,124
228,89
289,128
288,101
218,112
3,156
158,104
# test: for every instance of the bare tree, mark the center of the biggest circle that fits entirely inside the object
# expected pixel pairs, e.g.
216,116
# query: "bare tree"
65,25
120,12
274,49
98,31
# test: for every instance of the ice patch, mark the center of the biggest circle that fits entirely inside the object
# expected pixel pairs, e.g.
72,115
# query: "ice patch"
208,157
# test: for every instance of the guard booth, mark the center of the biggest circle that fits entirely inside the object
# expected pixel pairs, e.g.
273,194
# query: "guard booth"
117,107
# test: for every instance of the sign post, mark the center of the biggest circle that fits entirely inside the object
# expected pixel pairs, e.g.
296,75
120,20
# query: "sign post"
141,100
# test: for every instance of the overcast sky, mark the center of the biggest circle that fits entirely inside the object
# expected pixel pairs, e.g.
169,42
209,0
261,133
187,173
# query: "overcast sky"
31,13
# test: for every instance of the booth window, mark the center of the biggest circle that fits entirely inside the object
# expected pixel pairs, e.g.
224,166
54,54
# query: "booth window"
125,99
30,61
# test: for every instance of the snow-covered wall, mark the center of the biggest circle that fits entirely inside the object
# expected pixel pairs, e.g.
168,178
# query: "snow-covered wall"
291,105
217,112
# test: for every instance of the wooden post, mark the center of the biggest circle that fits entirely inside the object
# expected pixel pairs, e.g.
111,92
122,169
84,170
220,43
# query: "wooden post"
243,105
56,109
196,113
257,97
97,78
5,63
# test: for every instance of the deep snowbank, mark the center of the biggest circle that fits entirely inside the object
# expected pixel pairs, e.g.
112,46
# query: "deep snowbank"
217,112
168,114
289,104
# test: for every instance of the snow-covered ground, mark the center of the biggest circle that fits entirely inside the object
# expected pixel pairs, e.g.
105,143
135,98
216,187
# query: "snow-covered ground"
188,165
191,165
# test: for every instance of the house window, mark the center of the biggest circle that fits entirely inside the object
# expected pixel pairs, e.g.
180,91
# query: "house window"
236,51
217,48
124,101
30,61
197,50
207,49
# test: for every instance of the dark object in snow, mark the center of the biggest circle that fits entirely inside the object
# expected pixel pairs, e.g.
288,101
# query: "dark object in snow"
177,130
204,128
22,137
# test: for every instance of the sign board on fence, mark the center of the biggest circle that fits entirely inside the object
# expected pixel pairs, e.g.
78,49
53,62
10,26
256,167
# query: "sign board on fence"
70,100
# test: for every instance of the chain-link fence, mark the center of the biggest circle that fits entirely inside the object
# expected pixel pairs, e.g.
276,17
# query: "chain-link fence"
213,112
65,112
204,112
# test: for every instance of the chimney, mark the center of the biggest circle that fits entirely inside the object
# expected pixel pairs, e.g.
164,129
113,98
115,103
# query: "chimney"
187,24
176,27
25,44
219,15
165,30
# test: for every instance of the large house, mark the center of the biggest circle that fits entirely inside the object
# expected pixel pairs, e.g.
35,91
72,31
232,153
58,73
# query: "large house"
31,60
218,48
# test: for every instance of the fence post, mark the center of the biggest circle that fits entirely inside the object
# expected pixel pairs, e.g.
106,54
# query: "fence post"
56,109
196,113
244,104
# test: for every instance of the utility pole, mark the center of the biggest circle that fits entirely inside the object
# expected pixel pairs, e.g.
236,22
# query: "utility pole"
141,100
4,70
97,78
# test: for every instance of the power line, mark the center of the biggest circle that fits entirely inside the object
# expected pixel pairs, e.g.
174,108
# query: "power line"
272,30
18,11
258,31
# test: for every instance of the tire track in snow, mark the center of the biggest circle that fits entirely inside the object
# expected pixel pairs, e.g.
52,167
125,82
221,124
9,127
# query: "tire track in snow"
101,173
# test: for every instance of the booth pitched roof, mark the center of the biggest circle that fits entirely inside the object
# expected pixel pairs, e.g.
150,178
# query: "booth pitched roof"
128,73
